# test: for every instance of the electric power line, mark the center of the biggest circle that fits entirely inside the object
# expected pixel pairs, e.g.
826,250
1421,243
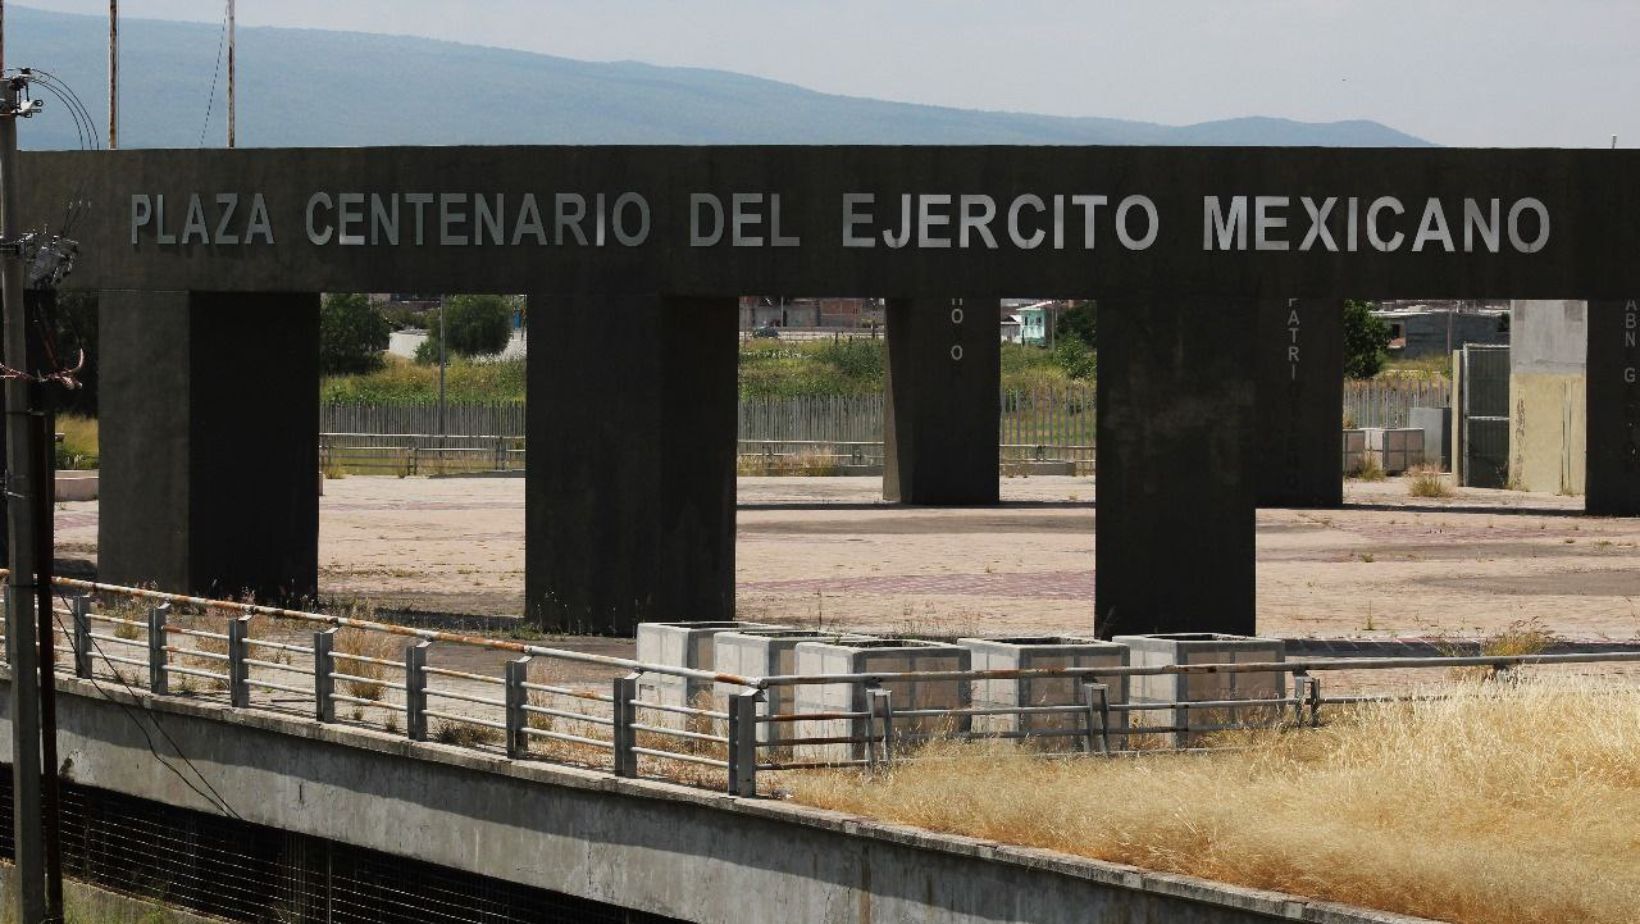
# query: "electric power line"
214,798
210,101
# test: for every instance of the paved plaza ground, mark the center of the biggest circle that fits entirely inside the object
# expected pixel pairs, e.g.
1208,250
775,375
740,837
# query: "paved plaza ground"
826,551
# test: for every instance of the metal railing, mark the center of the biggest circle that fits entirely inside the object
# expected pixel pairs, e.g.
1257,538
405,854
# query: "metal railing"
407,454
411,454
332,673
831,456
341,669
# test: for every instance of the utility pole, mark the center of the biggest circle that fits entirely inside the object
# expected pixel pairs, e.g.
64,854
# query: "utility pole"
442,300
113,74
45,541
230,74
28,819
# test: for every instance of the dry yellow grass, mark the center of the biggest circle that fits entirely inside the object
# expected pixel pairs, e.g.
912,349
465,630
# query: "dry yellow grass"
810,462
1368,471
364,643
1427,481
1521,637
213,621
1505,803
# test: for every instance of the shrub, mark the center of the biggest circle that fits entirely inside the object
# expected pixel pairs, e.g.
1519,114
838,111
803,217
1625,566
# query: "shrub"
1427,481
776,369
475,325
1370,470
1366,341
352,334
1074,356
858,360
1080,320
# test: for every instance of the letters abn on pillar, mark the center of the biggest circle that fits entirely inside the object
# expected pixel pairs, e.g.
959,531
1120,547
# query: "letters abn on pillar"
1175,515
209,418
1613,476
1300,368
630,489
944,378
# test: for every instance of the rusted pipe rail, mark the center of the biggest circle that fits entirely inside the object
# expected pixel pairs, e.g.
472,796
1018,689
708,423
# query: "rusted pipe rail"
431,635
1261,667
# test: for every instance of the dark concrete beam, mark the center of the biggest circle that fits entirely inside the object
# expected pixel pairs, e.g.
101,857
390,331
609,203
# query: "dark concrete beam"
1174,549
210,442
630,498
944,376
1300,396
958,221
1613,476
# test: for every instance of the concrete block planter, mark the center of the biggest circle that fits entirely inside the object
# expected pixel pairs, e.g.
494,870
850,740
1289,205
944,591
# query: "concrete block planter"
1395,449
1202,648
1354,451
869,656
682,644
767,653
1042,653
75,485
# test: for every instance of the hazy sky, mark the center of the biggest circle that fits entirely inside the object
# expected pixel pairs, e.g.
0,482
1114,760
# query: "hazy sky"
1458,72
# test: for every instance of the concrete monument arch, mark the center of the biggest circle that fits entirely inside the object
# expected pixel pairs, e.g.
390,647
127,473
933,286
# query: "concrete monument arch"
1215,269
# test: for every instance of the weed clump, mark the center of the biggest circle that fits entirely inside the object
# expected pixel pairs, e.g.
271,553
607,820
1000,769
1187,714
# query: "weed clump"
1368,470
352,647
464,735
809,462
1521,637
1427,481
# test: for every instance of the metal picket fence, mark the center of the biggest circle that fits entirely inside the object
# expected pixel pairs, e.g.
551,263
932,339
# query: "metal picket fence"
1044,425
1387,402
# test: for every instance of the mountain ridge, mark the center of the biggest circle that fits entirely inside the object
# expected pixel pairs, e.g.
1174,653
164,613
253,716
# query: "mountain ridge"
301,87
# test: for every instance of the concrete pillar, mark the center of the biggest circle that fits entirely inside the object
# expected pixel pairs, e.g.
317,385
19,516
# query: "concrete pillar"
944,378
1300,368
1613,419
630,498
1174,549
209,416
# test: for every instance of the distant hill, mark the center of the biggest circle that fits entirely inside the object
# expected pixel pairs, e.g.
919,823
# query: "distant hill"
303,87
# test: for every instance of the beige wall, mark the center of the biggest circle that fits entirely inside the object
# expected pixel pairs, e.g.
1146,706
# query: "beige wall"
1547,431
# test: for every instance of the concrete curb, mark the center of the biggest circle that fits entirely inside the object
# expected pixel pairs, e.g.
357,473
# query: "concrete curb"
1261,903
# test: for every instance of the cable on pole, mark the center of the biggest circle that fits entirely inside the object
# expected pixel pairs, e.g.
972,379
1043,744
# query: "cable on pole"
210,101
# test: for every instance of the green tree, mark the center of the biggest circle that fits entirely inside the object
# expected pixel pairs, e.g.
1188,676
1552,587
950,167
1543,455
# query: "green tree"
1079,320
1366,340
1075,357
352,334
427,350
77,335
478,325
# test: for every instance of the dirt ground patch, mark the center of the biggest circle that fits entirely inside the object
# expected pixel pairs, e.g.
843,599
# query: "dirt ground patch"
826,551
